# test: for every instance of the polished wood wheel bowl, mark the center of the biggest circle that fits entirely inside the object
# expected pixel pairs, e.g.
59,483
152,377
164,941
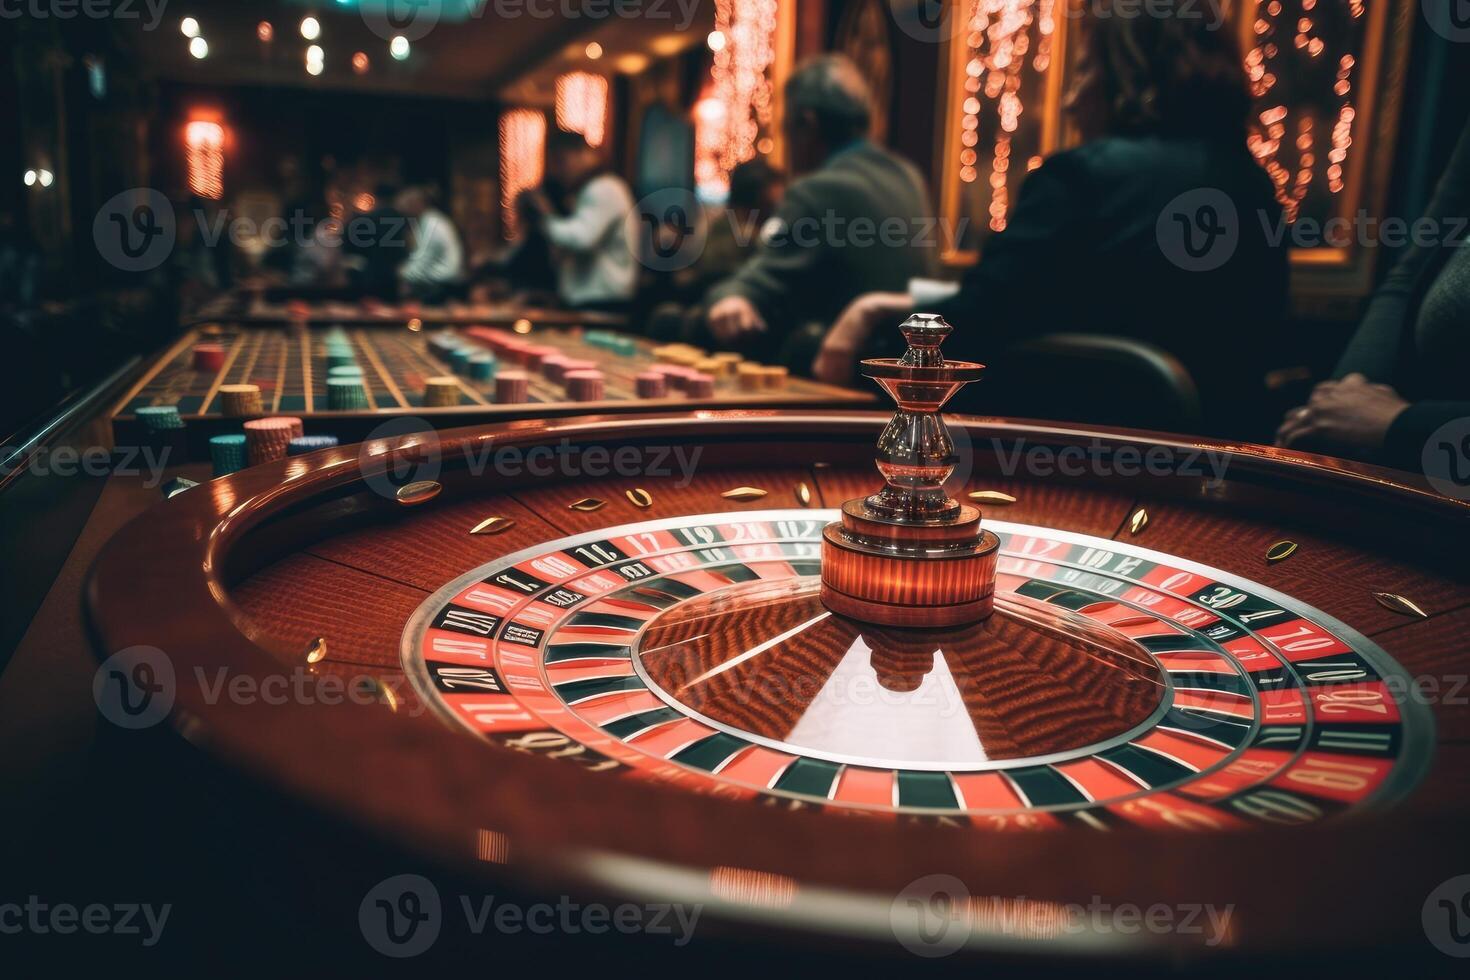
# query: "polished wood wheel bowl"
258,566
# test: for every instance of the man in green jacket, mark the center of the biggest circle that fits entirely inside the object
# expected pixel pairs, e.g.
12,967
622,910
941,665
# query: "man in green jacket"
859,219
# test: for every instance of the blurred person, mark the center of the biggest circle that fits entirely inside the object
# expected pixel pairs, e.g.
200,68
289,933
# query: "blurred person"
317,258
826,242
434,267
201,257
525,266
1162,104
1402,376
731,235
375,245
592,244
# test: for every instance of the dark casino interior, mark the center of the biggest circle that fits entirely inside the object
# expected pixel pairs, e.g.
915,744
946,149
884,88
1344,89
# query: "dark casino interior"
863,485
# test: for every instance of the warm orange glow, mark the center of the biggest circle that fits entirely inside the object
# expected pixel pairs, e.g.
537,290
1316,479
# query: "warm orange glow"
361,63
265,31
1000,38
748,887
364,202
522,146
581,105
492,846
740,87
204,147
1268,138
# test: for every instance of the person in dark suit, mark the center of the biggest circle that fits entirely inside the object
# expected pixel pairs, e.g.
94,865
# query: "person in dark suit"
377,244
1093,244
831,236
1402,377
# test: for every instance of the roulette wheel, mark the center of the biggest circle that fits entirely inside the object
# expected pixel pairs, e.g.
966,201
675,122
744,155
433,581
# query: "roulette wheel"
1025,688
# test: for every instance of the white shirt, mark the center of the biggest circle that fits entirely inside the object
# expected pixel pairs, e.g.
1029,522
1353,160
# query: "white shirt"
436,256
594,244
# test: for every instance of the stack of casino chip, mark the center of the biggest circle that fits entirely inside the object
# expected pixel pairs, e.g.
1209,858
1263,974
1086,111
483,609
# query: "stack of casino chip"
239,401
534,357
512,387
459,360
554,368
585,386
441,392
750,376
267,440
652,384
482,367
441,344
714,367
346,394
680,354
159,418
575,364
774,377
228,453
209,357
698,385
345,371
682,377
610,341
302,445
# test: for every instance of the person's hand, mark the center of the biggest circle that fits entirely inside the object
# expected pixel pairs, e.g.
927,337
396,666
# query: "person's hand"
1342,416
734,318
836,361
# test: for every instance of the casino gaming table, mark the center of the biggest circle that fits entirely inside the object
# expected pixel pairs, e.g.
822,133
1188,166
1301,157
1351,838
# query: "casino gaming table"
1206,673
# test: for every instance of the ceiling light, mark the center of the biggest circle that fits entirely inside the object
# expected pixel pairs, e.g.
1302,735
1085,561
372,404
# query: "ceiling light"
399,48
199,48
311,28
189,27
